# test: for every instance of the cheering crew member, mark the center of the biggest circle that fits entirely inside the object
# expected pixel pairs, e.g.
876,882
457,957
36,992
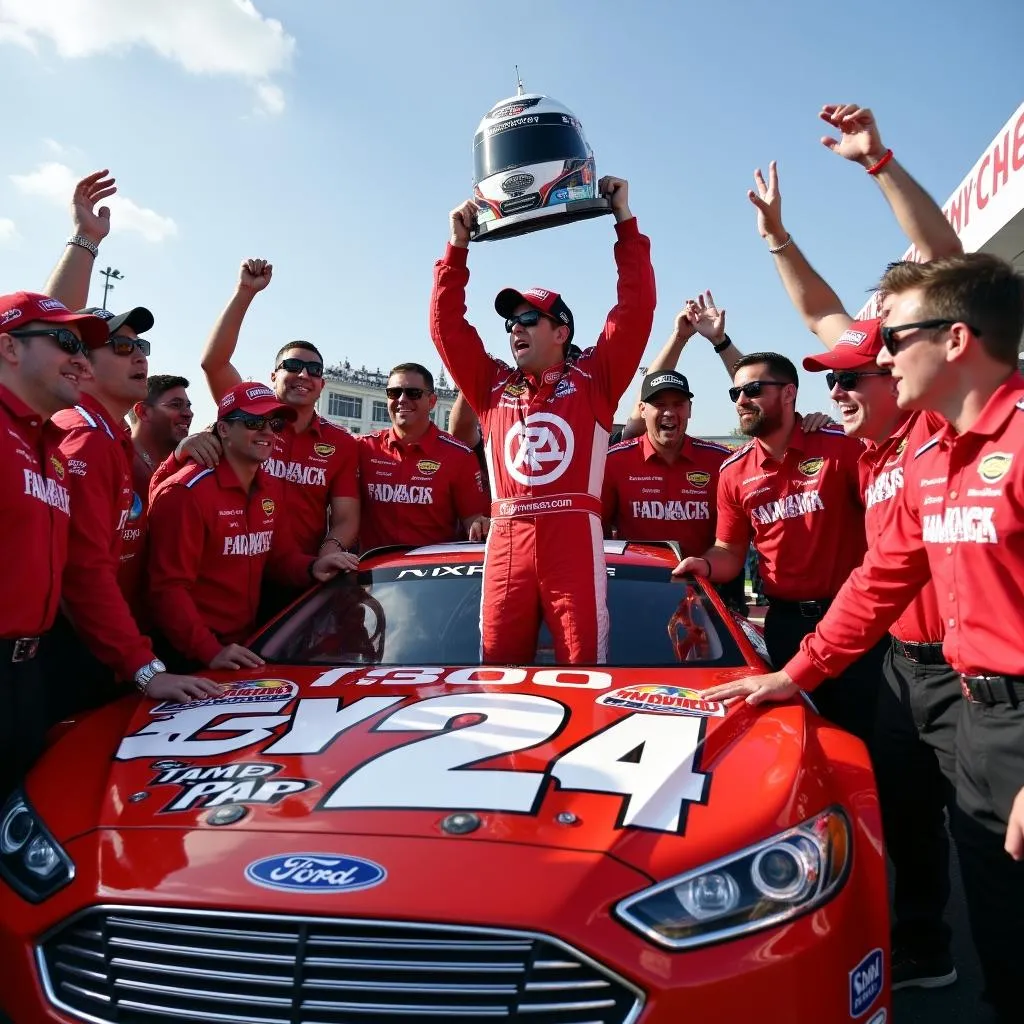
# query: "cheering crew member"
798,496
419,484
42,359
317,460
545,424
160,423
952,328
213,536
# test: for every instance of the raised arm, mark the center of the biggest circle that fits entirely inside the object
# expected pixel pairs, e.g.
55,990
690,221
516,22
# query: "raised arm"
69,279
221,375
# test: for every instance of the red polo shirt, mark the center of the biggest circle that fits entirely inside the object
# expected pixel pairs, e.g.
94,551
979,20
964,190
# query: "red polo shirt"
317,465
211,540
416,492
646,498
103,587
35,510
959,522
803,513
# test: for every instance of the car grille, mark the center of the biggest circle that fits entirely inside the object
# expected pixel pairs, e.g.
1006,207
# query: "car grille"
133,966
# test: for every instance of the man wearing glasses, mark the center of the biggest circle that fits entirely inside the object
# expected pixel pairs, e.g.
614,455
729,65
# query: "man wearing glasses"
797,495
545,422
419,485
43,348
216,531
160,423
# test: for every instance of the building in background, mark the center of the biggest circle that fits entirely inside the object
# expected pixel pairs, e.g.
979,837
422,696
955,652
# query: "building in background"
355,399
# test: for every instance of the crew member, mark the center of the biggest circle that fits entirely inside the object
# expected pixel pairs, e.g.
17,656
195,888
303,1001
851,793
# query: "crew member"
213,535
159,423
42,360
545,424
419,485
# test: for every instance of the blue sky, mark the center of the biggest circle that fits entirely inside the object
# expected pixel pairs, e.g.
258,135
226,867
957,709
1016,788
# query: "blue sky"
334,138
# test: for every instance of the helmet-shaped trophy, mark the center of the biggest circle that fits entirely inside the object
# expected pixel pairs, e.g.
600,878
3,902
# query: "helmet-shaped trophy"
532,168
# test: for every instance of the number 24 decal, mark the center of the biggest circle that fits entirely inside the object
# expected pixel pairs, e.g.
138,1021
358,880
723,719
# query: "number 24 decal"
646,759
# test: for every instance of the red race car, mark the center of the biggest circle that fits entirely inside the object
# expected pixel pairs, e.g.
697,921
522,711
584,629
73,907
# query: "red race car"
375,827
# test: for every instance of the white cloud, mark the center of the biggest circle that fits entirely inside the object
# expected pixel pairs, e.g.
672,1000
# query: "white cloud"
56,182
54,147
8,231
206,37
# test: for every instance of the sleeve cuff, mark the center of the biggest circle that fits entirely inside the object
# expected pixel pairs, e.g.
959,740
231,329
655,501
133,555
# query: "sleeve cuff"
803,671
627,229
208,649
456,255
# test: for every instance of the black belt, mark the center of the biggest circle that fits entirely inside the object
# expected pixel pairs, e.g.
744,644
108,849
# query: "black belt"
24,648
923,654
806,609
993,689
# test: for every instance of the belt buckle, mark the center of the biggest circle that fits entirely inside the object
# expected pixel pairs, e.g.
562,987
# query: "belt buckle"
979,691
810,609
25,648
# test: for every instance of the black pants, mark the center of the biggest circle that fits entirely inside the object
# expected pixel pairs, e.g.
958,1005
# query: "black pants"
76,681
990,773
914,754
22,718
851,699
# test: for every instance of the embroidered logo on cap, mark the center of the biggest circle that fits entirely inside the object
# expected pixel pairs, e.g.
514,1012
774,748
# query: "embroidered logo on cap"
11,314
851,337
260,391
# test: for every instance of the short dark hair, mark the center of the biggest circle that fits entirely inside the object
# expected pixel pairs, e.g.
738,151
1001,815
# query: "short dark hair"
778,366
976,288
308,346
419,368
160,383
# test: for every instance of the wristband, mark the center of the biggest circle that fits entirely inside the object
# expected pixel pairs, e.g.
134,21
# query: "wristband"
83,243
723,344
886,157
788,242
333,540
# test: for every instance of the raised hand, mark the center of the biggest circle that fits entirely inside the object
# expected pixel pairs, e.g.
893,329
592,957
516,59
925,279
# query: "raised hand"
768,201
462,220
204,448
255,275
684,325
859,139
90,223
616,190
708,320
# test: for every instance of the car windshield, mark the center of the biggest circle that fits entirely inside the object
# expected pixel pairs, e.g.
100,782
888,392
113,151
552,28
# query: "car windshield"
525,144
429,614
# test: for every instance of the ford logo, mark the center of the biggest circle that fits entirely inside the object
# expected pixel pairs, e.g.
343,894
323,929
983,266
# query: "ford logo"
516,183
315,872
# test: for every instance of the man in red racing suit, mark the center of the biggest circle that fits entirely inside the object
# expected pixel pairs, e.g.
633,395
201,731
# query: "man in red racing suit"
545,423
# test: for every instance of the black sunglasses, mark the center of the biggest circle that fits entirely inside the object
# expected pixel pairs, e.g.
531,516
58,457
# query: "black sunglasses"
253,422
753,388
847,379
395,393
125,346
312,367
530,318
61,335
891,342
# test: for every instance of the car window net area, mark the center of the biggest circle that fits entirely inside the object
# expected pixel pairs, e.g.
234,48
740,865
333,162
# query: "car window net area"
429,615
525,145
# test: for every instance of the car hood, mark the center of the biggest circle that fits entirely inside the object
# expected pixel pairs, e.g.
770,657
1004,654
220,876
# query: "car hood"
625,762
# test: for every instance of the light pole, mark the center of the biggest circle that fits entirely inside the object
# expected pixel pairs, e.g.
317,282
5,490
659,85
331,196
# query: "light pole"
111,275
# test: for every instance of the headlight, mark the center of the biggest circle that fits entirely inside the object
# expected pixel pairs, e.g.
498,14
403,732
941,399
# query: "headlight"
761,886
32,862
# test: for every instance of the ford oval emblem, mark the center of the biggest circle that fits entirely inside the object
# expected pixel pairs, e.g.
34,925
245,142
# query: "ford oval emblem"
516,183
315,872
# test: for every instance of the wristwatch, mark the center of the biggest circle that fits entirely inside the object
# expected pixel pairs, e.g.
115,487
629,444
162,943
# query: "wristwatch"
144,676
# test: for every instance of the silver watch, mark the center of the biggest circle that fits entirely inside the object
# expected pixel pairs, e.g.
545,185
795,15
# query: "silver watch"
144,676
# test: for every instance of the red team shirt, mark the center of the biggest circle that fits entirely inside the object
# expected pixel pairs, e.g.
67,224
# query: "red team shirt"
211,541
103,587
34,516
804,513
646,498
416,492
959,521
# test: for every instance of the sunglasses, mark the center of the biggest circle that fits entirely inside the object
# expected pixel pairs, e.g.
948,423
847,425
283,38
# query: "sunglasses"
753,388
847,379
892,343
254,423
530,318
66,339
125,346
415,394
312,367
177,404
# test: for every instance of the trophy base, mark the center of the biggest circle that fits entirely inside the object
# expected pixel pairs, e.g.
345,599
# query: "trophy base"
537,220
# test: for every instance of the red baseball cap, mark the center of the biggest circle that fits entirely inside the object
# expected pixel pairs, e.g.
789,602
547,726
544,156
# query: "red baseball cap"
858,344
549,303
28,307
255,399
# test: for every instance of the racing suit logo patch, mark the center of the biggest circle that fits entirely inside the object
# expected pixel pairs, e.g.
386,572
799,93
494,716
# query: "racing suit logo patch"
539,449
